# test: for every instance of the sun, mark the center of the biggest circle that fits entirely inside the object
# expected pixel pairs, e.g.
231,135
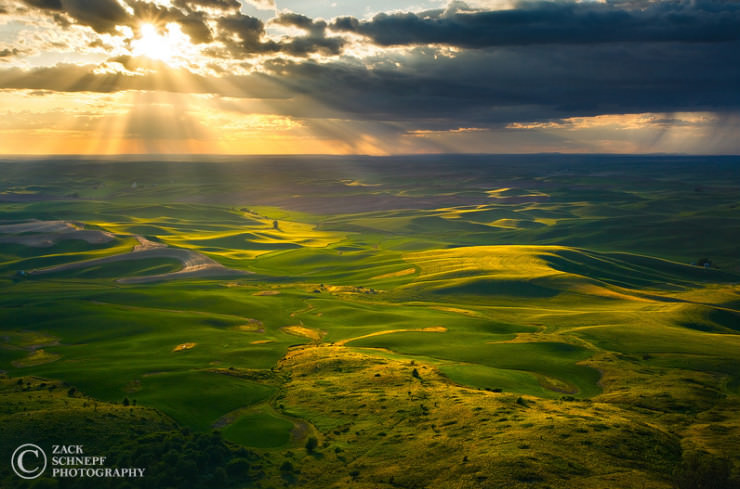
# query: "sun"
159,45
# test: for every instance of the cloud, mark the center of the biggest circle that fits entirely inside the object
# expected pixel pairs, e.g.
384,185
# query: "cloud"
315,39
104,15
238,35
101,15
219,4
315,28
554,23
473,88
524,83
74,78
45,4
9,53
262,4
532,64
244,35
193,23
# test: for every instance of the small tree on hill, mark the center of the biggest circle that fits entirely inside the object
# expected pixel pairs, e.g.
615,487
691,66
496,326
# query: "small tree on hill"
311,444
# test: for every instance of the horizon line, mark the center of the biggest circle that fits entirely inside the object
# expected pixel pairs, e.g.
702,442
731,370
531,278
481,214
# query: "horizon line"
356,155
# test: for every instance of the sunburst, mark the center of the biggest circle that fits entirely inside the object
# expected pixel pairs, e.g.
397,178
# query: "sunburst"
165,45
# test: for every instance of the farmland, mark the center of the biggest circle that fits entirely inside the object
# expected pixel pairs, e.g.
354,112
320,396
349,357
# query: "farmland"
448,322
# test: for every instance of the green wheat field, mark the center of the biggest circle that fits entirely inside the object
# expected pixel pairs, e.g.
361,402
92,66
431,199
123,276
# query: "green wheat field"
435,322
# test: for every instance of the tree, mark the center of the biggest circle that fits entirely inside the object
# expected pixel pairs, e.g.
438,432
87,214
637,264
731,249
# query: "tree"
702,470
237,467
219,479
311,444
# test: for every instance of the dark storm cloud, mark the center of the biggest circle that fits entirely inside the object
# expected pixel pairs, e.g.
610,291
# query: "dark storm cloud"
315,28
101,15
220,4
491,88
476,88
45,4
315,39
555,23
244,36
305,45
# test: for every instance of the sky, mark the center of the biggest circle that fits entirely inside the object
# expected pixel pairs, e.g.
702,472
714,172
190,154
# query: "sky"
378,78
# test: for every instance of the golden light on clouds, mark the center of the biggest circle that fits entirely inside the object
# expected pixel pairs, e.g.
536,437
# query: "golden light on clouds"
620,121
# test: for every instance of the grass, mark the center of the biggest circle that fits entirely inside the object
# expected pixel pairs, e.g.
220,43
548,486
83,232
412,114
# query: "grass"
557,360
559,333
198,399
260,430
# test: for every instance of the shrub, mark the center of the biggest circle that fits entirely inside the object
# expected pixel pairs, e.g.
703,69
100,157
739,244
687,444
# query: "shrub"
702,470
311,444
238,467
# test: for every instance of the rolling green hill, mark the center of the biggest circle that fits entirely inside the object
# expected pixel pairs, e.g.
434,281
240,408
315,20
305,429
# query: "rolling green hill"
550,321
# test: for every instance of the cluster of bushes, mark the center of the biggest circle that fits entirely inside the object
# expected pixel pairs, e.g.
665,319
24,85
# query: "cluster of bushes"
174,459
702,470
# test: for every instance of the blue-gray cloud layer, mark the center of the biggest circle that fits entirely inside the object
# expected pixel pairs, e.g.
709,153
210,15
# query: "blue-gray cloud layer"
540,61
554,23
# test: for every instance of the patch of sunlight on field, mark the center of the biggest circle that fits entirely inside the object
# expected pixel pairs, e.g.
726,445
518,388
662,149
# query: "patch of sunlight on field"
595,290
711,293
498,191
26,339
458,212
124,228
37,357
247,244
400,273
506,192
457,310
299,233
431,329
506,223
303,332
505,261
